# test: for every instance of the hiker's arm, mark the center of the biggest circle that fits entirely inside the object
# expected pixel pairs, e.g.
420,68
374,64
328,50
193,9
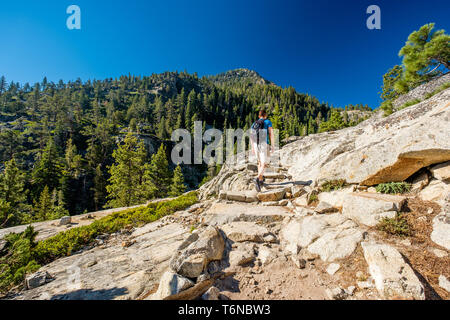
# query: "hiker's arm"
272,139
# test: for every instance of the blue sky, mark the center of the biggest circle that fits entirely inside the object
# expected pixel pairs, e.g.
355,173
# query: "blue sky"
318,47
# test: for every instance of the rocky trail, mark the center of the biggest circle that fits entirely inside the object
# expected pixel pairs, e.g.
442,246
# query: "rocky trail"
293,240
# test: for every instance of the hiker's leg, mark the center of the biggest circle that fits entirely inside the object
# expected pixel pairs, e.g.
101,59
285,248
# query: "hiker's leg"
264,163
261,168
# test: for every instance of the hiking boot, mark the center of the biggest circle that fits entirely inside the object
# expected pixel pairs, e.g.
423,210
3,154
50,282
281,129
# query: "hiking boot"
257,185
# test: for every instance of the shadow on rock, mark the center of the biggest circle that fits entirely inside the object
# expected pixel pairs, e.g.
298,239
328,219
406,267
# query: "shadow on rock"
89,294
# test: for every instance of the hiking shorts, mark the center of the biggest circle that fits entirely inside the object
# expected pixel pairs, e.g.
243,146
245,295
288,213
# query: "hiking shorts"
262,153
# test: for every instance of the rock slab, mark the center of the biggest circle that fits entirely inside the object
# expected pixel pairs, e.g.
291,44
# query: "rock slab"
393,276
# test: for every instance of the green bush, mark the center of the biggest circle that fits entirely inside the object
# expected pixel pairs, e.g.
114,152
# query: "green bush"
409,103
393,187
333,185
396,226
387,107
440,89
23,255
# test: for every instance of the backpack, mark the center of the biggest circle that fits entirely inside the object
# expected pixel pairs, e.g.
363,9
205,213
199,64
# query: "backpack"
257,126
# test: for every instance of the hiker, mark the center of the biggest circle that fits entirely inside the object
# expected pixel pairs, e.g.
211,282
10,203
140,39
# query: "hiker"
262,130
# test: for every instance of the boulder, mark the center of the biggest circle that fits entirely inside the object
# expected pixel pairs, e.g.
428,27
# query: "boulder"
441,230
197,251
301,201
336,293
37,279
392,275
325,207
436,190
242,255
65,220
439,253
337,243
170,284
441,171
266,256
420,182
368,208
333,268
211,294
297,190
240,258
444,283
335,198
240,231
299,261
271,195
328,236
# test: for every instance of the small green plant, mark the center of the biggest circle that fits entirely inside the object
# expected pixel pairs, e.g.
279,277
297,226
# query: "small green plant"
393,187
192,229
333,185
396,226
313,198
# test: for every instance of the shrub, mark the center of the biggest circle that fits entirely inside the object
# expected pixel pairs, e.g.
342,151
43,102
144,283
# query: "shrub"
393,187
440,89
16,259
409,103
396,226
313,198
387,107
23,255
333,185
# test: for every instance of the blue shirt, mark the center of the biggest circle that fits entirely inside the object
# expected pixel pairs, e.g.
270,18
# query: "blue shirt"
267,125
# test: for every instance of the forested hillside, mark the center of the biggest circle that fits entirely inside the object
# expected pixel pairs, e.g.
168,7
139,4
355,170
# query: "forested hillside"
57,139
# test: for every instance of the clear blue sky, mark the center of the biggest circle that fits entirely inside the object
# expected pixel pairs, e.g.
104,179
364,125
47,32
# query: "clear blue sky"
319,47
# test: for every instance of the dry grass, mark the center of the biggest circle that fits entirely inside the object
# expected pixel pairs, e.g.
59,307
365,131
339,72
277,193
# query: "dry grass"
427,265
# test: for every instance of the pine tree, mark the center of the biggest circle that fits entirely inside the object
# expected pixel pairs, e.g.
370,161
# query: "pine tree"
48,170
13,197
177,187
44,207
159,175
389,80
2,84
70,180
335,122
127,174
426,55
99,188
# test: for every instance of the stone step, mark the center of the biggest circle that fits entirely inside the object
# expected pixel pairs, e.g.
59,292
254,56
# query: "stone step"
240,196
272,169
274,186
222,213
272,195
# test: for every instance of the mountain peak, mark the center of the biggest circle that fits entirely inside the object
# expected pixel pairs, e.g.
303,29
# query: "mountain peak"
239,75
